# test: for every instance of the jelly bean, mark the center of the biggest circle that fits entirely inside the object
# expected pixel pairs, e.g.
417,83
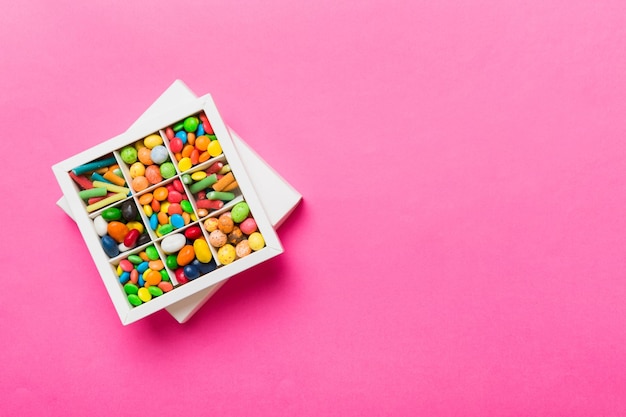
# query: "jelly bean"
256,241
152,253
177,221
159,154
202,251
134,276
240,212
129,154
126,265
248,226
164,274
168,170
162,217
156,265
110,246
134,299
131,238
143,239
170,262
173,243
144,294
217,238
100,225
185,255
152,141
225,224
204,268
193,233
152,277
153,174
155,291
226,254
176,145
129,211
130,288
180,276
178,186
154,221
191,272
243,249
117,230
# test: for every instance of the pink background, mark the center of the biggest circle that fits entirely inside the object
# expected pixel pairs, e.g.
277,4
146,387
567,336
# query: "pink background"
461,249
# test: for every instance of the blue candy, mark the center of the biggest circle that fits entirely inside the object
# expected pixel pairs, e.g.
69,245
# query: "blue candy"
200,130
142,267
110,246
182,135
191,272
154,221
125,277
177,221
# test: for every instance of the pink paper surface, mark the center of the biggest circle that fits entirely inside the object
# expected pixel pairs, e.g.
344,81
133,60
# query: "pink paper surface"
461,246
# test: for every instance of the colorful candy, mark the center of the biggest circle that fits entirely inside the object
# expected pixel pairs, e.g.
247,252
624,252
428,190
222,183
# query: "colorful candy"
192,141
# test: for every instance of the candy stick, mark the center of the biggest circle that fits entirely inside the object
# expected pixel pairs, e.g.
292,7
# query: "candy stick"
111,187
106,201
92,166
92,192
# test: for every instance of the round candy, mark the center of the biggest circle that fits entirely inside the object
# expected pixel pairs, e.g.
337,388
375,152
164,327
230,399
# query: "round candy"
190,124
152,277
225,223
153,174
235,236
240,212
226,254
173,243
248,226
137,170
184,164
243,249
256,241
168,170
177,221
159,154
144,156
139,183
211,223
217,238
152,141
176,145
166,286
182,135
129,154
214,148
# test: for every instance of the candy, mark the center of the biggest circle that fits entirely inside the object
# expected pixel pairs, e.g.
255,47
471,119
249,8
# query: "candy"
202,251
92,192
203,183
159,154
173,243
190,124
153,174
152,141
129,154
217,238
105,202
240,211
185,255
100,225
248,226
117,230
111,213
256,241
152,253
129,211
243,249
168,170
226,254
110,246
92,166
144,294
225,223
220,195
191,272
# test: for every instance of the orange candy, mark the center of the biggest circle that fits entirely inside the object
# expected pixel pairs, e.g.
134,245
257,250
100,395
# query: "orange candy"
153,174
139,183
165,286
156,265
163,218
144,156
152,277
145,199
160,193
202,142
185,255
117,230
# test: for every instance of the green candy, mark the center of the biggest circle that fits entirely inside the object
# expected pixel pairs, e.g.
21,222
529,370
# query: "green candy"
206,182
130,288
129,154
135,259
190,124
155,291
186,206
164,275
134,299
164,229
187,179
112,213
240,212
212,137
178,126
171,262
220,195
152,253
167,170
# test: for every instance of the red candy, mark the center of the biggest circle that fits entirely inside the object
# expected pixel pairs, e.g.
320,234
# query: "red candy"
131,238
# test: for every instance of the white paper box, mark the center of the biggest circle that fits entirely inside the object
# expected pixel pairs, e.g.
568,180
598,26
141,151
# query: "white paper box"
186,299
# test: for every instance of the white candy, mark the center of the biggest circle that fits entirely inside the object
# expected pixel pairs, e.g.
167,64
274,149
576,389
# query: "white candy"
101,225
173,243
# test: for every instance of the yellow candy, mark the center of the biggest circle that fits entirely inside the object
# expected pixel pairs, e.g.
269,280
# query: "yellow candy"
139,144
214,148
135,225
144,294
164,207
199,175
203,253
148,210
184,164
226,254
153,140
119,270
137,170
256,241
